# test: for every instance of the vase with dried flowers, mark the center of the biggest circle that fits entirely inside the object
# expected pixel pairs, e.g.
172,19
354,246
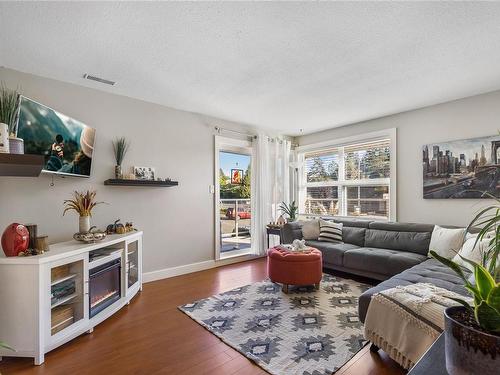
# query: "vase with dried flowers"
82,203
120,148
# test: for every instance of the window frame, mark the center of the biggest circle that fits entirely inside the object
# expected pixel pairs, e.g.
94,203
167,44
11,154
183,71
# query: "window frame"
342,183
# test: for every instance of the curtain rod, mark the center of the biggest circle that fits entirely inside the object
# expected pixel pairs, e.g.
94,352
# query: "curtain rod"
218,129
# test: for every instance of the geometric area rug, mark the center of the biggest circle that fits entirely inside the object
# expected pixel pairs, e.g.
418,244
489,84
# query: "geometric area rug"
306,332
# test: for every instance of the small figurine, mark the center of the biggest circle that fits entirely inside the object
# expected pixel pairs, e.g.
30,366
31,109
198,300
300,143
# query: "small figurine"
111,228
120,229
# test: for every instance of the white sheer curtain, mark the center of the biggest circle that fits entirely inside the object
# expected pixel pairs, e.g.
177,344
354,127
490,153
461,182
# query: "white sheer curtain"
271,181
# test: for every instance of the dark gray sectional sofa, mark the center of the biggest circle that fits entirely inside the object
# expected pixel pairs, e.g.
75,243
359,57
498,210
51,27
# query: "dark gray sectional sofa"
394,253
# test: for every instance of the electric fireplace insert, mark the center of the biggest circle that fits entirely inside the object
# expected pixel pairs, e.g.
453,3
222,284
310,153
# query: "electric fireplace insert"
104,286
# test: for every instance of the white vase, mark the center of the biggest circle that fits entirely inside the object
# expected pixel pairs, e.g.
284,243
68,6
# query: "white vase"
84,224
4,138
16,145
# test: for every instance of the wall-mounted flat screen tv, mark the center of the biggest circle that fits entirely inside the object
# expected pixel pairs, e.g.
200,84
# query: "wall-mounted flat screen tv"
67,144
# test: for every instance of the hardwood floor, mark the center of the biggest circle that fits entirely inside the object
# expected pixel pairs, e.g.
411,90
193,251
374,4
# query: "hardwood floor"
150,336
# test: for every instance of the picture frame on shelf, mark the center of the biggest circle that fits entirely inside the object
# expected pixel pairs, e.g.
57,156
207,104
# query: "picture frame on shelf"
144,173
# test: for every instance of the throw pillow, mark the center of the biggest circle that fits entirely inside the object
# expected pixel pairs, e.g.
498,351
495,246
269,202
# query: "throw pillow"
471,252
330,231
310,230
446,242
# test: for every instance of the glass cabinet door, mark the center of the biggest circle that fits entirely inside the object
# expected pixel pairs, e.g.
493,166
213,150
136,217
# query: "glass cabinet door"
132,265
67,295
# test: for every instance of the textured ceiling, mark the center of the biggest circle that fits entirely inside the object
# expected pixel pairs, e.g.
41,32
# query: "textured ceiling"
280,66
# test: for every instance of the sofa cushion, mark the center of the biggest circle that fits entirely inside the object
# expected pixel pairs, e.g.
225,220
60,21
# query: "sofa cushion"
401,227
415,242
474,251
429,271
330,231
447,242
354,235
382,261
291,231
357,223
333,253
310,230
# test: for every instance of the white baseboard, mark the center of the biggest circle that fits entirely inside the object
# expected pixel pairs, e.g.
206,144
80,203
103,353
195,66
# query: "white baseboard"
165,273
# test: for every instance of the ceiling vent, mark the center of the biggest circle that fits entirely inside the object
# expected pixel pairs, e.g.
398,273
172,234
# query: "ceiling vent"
100,80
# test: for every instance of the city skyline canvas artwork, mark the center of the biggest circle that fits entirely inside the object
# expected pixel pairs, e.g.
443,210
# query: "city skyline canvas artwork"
462,169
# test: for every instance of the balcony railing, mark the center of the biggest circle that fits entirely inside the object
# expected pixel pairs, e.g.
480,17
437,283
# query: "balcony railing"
235,221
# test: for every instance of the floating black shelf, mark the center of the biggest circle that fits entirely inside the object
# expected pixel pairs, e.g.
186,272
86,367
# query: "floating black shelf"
23,165
123,182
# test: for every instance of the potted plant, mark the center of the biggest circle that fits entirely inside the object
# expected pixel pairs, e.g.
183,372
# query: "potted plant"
8,111
83,203
472,333
120,148
290,210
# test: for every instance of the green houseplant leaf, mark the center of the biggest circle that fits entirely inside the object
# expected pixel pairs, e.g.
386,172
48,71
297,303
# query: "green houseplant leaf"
484,281
449,263
494,298
5,346
487,316
289,209
463,303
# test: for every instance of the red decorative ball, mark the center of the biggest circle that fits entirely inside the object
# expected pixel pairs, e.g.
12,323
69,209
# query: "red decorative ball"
15,239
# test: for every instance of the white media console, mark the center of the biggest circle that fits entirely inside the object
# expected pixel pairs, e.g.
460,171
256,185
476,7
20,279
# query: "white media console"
49,299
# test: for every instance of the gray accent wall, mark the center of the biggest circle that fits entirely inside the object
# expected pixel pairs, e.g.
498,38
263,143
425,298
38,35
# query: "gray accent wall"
178,222
476,116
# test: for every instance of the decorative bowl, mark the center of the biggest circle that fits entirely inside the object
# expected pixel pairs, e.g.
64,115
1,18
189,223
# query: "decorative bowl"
90,236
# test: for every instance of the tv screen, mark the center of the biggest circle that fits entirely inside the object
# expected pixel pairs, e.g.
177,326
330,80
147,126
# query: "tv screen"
67,144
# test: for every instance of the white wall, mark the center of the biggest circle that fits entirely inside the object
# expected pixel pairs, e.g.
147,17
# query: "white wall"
178,222
476,116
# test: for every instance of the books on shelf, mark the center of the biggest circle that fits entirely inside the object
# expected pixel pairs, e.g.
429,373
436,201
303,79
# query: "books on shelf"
62,317
59,272
65,278
61,290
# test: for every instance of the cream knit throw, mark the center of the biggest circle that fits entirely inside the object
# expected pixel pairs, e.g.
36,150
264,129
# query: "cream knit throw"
406,320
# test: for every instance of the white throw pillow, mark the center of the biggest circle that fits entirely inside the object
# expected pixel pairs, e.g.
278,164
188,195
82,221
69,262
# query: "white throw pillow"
446,242
310,230
471,252
330,231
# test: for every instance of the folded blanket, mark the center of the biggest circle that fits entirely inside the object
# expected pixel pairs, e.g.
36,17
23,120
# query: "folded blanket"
406,320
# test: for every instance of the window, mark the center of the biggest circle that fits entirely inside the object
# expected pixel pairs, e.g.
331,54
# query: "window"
349,180
368,200
367,161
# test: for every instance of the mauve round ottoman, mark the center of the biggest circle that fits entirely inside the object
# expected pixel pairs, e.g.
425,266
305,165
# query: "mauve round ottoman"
294,268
